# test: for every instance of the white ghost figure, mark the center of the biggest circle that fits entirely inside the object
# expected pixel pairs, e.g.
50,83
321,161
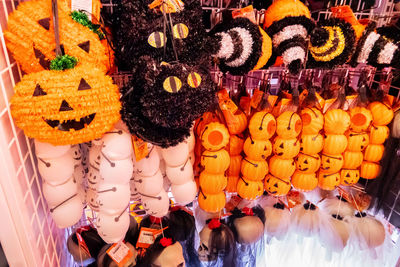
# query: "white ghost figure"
116,171
113,198
149,165
180,174
184,193
48,151
176,155
68,212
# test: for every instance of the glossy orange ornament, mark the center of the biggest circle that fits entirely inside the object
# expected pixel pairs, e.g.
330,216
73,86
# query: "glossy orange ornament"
352,160
257,149
215,161
262,125
211,202
214,136
289,125
234,166
349,177
328,181
360,119
337,121
378,134
308,164
313,120
276,186
304,181
286,148
212,183
334,144
374,153
205,119
357,142
331,163
249,189
381,113
231,187
311,144
370,170
241,125
235,145
254,170
282,168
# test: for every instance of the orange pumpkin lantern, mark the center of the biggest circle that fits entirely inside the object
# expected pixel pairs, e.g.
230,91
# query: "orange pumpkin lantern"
240,123
262,125
357,142
370,170
215,136
378,134
257,149
334,144
349,177
381,113
282,168
276,186
235,145
212,183
215,161
328,181
352,160
205,119
211,202
254,170
374,153
286,148
289,125
234,166
313,121
308,164
331,163
304,181
360,119
249,189
231,187
337,121
311,144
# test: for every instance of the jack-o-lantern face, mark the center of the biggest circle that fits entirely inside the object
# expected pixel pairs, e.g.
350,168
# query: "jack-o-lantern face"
30,37
313,120
276,186
308,163
66,107
288,125
331,163
328,181
262,125
249,189
360,119
357,142
311,144
349,177
286,148
257,149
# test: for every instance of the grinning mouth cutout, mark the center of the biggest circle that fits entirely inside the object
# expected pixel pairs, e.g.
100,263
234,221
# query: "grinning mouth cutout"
66,126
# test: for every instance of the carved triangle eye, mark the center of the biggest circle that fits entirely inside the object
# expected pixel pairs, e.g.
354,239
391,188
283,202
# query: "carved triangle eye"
328,161
276,184
83,85
281,145
348,175
306,161
39,91
45,23
85,46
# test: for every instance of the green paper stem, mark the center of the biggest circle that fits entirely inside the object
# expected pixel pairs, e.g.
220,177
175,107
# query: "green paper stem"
83,19
63,62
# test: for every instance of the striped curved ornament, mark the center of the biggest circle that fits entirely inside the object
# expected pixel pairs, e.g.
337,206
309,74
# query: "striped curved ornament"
333,47
284,8
266,50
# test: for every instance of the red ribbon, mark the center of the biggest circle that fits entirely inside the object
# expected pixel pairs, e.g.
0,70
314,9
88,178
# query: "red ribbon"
156,220
214,223
165,242
248,211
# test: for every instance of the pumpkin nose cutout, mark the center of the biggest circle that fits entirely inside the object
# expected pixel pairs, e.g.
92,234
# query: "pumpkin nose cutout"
65,106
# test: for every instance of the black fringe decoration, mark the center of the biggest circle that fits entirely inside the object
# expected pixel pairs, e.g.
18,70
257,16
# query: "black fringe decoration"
360,44
277,26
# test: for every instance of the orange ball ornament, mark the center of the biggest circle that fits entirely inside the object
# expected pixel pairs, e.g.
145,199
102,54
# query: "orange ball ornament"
313,121
254,170
378,134
289,125
262,125
357,142
337,121
352,160
304,181
257,149
374,153
249,189
334,144
212,183
211,202
215,161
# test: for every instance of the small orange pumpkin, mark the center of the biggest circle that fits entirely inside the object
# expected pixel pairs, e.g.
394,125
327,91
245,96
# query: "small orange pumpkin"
276,186
262,125
370,170
374,153
349,177
240,125
357,142
334,144
254,170
234,166
352,160
215,136
282,168
215,161
311,144
205,119
313,120
211,202
308,164
257,149
378,134
289,125
331,163
212,183
286,148
235,145
360,119
328,181
249,189
337,121
381,113
231,187
304,181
